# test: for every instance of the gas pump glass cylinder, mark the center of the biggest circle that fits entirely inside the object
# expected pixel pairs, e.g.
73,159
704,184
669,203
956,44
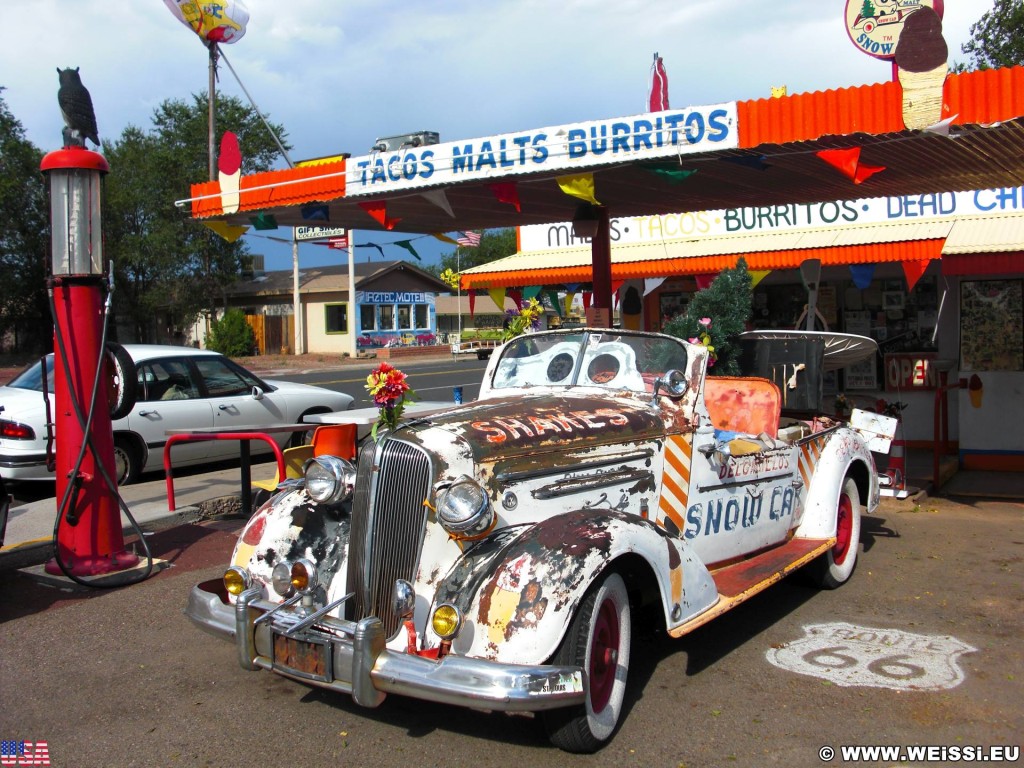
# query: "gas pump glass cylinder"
75,221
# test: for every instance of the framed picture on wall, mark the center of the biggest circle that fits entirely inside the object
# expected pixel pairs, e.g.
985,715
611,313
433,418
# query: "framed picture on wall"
892,300
991,325
863,375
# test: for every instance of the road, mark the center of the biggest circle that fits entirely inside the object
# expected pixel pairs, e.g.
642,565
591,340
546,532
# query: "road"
121,678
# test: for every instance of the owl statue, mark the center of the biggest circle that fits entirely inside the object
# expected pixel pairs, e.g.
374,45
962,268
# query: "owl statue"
76,106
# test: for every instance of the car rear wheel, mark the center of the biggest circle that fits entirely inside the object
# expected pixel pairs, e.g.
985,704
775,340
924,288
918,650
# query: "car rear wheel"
598,640
836,566
127,460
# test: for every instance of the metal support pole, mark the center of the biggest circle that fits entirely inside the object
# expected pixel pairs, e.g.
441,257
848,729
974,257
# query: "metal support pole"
601,256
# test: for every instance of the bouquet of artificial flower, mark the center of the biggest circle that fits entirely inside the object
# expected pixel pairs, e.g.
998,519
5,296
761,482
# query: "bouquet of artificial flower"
705,339
390,391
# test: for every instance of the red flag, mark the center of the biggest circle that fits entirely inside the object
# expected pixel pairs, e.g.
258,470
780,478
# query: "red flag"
378,210
847,162
913,270
506,192
658,97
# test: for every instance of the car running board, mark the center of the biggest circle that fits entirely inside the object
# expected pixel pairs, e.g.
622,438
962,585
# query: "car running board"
742,580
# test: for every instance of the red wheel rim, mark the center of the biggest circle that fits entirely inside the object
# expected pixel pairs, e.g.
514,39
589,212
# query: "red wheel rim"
844,530
604,656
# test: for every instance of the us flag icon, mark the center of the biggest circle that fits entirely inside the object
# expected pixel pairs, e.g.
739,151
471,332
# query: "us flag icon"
24,753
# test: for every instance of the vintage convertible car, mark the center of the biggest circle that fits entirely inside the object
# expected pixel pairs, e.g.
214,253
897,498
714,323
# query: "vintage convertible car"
493,555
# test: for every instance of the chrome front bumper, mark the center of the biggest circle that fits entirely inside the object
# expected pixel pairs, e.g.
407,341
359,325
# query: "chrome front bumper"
356,661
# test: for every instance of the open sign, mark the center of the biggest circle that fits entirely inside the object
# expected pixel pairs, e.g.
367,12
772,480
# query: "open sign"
913,370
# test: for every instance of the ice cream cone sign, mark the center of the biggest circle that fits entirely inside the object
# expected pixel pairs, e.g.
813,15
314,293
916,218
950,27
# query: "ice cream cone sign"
921,55
975,390
229,165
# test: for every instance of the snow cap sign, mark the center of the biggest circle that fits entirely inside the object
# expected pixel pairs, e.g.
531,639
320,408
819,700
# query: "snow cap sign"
215,21
874,26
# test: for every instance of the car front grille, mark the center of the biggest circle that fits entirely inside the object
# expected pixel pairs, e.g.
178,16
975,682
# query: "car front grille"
388,518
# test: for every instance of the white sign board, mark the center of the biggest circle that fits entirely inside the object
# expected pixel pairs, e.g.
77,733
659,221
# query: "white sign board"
318,233
849,655
558,149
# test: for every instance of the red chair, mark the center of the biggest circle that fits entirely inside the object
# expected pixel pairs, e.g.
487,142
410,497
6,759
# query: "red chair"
335,440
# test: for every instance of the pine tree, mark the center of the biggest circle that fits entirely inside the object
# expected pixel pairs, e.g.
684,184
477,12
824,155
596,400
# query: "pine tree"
728,302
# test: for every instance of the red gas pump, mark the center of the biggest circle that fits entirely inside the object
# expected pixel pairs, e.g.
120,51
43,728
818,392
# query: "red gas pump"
89,539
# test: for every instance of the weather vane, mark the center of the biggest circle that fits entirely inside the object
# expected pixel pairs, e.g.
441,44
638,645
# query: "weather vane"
76,107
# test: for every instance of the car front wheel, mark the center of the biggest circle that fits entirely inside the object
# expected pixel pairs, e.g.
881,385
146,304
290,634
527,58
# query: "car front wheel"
598,640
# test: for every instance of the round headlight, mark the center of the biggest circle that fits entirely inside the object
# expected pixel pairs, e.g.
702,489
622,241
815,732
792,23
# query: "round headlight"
447,621
403,598
330,480
464,509
281,579
303,576
236,580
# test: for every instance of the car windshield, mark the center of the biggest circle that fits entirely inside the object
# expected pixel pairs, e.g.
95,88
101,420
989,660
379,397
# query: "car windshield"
32,377
608,359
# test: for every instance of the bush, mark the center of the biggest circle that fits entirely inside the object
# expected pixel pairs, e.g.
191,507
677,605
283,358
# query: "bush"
232,335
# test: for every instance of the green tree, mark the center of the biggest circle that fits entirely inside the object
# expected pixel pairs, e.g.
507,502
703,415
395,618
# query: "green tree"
997,38
728,303
24,239
167,267
494,244
232,335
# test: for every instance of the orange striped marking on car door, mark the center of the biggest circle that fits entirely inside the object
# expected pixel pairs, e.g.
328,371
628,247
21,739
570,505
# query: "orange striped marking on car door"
810,452
675,484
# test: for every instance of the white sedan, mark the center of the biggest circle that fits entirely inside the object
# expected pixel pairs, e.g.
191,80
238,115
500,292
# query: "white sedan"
178,388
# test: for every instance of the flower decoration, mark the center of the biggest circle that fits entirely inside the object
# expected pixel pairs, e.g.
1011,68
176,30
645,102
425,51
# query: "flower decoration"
451,279
390,391
843,406
705,339
519,321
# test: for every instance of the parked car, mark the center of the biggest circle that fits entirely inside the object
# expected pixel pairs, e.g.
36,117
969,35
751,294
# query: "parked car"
177,388
495,554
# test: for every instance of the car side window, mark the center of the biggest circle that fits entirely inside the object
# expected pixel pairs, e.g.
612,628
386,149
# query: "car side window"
223,379
166,380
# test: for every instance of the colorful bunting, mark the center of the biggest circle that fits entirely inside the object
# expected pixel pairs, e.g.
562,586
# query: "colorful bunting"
444,238
440,199
588,296
262,221
315,212
703,281
407,244
673,174
847,162
756,162
228,231
757,275
569,296
913,270
378,210
862,275
531,292
472,302
498,297
579,185
553,298
650,283
371,245
506,192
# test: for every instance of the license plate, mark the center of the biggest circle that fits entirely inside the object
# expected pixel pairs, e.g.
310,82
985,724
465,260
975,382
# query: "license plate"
309,659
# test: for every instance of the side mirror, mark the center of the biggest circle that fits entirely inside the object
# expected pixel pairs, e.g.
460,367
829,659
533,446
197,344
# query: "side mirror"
673,383
257,393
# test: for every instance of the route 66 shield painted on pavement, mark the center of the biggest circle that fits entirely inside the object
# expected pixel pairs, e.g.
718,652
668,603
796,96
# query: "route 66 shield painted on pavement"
849,655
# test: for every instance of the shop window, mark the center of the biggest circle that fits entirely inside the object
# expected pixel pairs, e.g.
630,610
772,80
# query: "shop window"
404,317
336,316
367,317
387,317
421,316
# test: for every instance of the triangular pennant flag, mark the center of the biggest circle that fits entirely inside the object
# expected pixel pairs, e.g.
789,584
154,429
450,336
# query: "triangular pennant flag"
531,292
616,284
588,296
517,296
378,210
228,231
407,244
579,185
913,270
757,162
650,283
757,275
941,128
472,303
315,212
862,275
703,281
498,297
371,245
444,238
847,162
506,192
440,199
569,296
262,221
673,174
571,287
553,298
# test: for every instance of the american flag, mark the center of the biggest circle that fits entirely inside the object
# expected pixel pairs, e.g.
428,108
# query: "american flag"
469,239
24,753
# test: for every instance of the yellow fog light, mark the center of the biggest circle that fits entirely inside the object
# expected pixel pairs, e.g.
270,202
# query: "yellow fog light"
303,576
236,580
447,621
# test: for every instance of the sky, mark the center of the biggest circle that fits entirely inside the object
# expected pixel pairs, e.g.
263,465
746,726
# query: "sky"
339,74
